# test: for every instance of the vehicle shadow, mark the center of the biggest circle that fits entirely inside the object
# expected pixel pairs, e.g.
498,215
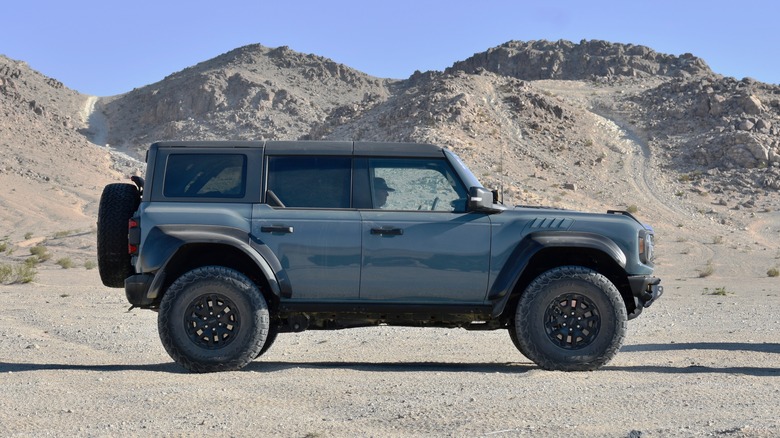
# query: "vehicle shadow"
703,369
725,346
476,367
398,367
261,366
7,367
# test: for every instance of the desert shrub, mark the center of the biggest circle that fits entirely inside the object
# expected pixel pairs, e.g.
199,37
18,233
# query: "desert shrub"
707,271
24,274
28,236
632,209
90,264
3,246
720,291
65,263
773,272
5,273
40,252
717,240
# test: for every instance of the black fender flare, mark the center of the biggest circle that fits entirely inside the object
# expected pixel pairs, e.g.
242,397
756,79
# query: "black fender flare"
164,242
531,245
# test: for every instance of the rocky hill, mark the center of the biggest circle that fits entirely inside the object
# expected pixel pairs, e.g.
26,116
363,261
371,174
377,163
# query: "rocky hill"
583,125
564,60
248,93
50,173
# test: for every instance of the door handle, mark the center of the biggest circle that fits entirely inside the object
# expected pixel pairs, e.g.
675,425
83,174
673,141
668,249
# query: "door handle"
388,231
276,229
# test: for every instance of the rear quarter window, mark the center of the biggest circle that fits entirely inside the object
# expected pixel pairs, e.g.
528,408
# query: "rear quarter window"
205,176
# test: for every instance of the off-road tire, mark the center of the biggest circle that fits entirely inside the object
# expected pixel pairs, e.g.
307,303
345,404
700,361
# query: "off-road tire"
117,204
570,318
273,332
513,336
213,319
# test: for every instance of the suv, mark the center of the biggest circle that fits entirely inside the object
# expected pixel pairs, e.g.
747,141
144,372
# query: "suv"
235,242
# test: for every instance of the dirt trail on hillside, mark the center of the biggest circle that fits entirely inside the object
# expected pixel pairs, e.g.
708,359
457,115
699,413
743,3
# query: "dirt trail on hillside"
96,121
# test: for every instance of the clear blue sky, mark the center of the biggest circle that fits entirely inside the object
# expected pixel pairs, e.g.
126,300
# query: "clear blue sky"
105,48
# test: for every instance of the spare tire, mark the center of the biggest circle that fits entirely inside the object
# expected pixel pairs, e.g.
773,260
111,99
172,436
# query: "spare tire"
117,205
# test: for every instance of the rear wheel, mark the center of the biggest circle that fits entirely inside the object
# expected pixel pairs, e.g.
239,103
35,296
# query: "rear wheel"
570,318
118,202
213,319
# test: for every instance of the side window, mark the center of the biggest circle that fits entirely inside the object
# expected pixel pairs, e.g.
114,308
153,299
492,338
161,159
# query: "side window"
309,182
205,176
415,184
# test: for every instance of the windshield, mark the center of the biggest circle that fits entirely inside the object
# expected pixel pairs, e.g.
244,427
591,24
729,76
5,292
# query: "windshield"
465,174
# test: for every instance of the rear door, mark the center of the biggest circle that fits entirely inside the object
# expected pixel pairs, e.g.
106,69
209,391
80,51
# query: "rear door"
308,224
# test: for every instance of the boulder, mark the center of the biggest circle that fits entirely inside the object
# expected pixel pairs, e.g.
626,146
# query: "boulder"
751,104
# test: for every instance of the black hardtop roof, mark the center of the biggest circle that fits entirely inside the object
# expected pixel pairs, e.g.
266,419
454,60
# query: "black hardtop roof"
312,147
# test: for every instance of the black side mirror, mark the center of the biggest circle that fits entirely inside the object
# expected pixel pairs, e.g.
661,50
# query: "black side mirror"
481,199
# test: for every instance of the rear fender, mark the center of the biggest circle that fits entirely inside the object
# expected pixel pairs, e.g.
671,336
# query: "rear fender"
164,242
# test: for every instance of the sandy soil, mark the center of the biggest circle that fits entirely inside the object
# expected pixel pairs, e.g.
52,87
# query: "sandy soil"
75,361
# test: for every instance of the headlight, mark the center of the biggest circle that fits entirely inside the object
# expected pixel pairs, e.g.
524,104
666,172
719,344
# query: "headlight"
646,254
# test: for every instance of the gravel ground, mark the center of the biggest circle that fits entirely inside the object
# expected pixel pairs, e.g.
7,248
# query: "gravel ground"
74,361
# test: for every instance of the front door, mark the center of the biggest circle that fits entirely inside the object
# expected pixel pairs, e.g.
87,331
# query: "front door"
419,243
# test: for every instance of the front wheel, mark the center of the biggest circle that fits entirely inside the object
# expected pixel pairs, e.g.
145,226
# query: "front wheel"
570,318
213,319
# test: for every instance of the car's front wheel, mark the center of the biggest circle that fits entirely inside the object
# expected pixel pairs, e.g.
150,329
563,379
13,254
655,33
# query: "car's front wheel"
213,319
570,318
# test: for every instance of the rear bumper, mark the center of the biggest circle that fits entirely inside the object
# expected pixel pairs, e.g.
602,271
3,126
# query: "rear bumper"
645,290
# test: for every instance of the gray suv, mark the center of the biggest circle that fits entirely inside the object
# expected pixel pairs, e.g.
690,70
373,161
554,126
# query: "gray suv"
233,243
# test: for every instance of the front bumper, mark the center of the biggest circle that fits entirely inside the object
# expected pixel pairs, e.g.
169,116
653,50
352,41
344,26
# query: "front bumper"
645,290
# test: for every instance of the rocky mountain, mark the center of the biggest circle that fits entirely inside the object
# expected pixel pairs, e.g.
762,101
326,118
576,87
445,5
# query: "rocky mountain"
581,125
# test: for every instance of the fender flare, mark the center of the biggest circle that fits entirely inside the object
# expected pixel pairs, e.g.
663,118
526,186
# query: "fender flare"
532,244
164,242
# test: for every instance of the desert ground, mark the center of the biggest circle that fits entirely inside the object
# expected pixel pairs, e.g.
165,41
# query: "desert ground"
702,361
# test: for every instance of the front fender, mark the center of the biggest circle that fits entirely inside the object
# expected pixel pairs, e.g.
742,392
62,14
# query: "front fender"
531,245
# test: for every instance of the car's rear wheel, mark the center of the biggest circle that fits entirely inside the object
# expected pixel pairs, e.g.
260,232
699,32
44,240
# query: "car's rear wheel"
570,318
213,319
118,202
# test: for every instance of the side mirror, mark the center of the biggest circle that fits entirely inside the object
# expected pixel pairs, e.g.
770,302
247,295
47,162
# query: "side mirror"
481,199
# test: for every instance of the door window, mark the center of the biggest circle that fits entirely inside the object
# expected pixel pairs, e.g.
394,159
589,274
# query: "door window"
415,184
309,182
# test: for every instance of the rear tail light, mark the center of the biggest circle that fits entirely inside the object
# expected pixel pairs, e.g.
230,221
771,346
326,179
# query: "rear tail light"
133,235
